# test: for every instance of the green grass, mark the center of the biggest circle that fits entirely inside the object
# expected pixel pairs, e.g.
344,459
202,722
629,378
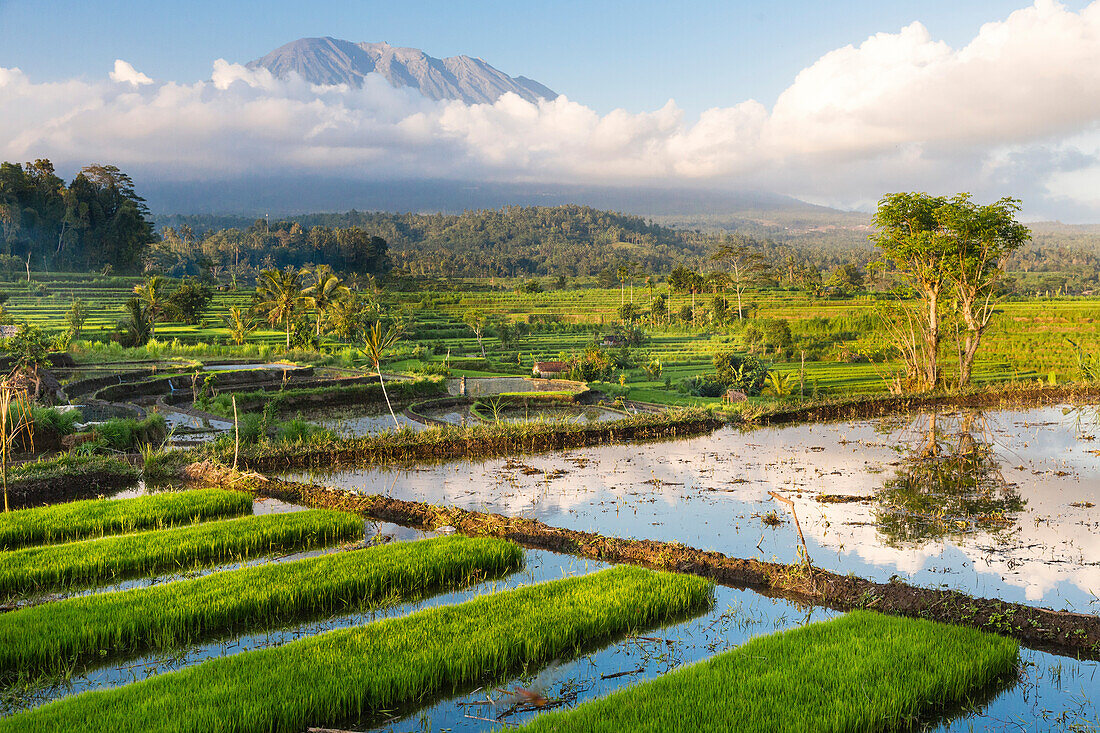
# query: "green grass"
182,548
71,465
98,517
863,671
360,672
54,636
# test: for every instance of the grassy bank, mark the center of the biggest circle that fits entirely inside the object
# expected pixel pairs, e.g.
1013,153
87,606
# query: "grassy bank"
54,636
360,672
286,400
863,671
113,558
470,441
67,477
97,518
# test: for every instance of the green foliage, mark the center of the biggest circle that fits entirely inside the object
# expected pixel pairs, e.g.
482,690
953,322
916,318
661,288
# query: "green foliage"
102,560
75,318
54,636
594,365
123,434
702,385
743,372
136,328
29,347
98,517
69,465
383,665
862,671
52,421
300,431
98,218
189,301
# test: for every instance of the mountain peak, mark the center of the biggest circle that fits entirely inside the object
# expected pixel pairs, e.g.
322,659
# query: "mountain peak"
333,61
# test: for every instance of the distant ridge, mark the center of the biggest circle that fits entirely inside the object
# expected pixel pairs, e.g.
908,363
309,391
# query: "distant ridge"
333,61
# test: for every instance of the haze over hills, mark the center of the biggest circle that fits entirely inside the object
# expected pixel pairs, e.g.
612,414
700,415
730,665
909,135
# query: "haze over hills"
333,61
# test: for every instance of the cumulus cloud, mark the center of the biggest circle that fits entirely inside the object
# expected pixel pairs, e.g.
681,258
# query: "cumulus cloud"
1014,111
125,73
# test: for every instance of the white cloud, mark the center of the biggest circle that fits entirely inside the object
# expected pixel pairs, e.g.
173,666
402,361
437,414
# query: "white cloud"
124,73
899,111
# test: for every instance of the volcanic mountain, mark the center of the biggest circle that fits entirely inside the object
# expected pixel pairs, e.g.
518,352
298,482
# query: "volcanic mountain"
332,61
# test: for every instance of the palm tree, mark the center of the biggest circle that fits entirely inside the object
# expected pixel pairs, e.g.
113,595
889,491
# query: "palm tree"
152,296
324,293
378,341
139,328
240,324
280,296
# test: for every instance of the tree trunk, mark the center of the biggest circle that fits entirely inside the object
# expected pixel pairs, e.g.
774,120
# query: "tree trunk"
932,366
970,350
740,317
288,333
378,368
481,344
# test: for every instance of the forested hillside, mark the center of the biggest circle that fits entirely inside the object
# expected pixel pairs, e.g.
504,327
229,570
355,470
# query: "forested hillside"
95,221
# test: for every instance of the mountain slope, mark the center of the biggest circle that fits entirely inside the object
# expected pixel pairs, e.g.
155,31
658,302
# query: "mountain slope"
332,61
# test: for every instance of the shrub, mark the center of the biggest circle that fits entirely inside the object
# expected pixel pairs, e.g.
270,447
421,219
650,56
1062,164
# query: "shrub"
742,372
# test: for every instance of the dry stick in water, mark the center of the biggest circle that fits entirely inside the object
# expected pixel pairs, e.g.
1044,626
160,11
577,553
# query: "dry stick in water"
236,434
805,550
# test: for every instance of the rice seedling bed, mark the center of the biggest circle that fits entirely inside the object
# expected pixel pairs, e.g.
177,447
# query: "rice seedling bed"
361,672
55,636
863,671
98,517
98,561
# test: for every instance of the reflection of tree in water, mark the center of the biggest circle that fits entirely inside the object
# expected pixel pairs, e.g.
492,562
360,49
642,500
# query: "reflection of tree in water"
949,485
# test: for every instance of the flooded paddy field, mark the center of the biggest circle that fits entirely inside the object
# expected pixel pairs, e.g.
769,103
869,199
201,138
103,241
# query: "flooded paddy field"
1000,504
1052,693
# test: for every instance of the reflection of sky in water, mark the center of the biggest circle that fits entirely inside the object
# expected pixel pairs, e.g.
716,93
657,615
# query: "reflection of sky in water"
709,491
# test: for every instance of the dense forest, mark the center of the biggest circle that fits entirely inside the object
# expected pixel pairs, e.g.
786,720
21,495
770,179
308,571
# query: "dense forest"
97,220
513,241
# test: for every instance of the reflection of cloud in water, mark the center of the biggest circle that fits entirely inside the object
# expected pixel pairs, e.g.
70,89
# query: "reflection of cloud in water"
709,491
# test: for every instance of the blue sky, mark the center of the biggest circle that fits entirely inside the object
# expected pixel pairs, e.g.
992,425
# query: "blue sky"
634,55
834,103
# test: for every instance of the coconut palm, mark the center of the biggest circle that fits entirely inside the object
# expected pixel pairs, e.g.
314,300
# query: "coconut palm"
378,341
240,324
325,292
280,297
137,325
152,295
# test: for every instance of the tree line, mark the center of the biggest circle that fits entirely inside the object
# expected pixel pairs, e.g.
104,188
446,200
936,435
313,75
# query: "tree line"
95,221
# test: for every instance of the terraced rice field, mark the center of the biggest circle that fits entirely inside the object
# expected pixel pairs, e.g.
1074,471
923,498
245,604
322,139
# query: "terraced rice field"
444,633
1028,339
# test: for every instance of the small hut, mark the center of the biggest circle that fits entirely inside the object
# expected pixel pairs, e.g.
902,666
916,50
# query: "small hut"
550,369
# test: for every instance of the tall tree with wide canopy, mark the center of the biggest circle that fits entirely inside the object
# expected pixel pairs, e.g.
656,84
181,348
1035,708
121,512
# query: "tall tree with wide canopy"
982,237
915,248
745,263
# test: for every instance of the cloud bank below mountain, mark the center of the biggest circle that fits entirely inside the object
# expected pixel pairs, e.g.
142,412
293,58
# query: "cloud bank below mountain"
1014,112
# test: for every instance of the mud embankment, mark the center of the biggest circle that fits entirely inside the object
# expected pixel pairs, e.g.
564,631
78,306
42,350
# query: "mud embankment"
479,441
862,408
1065,633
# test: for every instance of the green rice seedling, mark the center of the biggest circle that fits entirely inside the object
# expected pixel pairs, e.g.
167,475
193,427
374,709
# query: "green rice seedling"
862,671
52,637
96,561
99,517
361,672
